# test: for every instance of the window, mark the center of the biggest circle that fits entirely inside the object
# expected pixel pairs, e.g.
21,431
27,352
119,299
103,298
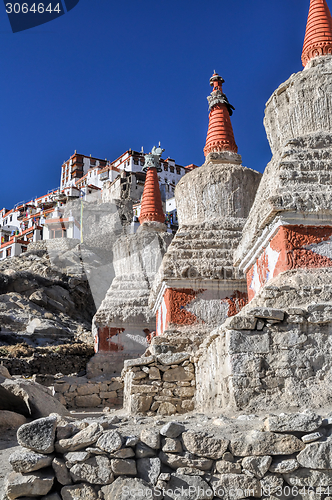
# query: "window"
9,252
178,170
165,167
135,162
10,218
172,169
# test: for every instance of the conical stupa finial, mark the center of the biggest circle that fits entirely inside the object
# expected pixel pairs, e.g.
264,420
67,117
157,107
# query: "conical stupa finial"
318,36
151,206
220,136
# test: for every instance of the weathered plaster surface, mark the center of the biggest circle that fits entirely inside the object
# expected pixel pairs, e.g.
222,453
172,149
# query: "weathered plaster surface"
299,129
292,247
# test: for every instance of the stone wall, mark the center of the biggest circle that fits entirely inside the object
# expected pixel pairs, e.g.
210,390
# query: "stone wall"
159,385
79,392
276,353
46,364
282,456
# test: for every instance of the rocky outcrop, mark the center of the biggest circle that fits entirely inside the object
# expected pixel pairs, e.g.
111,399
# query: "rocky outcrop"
43,303
28,398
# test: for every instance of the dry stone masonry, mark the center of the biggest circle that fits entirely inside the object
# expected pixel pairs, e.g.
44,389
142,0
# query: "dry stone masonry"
162,385
197,457
79,392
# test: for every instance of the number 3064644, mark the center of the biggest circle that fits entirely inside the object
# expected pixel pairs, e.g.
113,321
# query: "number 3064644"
36,8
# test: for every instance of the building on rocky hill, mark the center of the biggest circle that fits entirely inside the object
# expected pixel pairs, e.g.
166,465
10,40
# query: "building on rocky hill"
86,178
197,286
124,323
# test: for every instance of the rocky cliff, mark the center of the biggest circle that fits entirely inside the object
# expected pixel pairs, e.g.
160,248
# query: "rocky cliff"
43,300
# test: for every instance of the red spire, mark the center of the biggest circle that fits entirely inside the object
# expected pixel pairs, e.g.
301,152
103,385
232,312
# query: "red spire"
151,206
318,36
220,136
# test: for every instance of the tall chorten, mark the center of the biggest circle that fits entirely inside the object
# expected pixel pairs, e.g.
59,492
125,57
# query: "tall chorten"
124,323
290,223
197,286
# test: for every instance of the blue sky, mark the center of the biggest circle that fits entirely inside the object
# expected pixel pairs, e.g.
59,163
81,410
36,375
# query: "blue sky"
109,76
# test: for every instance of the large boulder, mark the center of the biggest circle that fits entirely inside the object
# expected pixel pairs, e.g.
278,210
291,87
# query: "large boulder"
12,403
35,398
11,420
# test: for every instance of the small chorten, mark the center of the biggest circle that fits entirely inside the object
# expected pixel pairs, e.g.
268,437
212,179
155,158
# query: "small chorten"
318,36
124,323
220,136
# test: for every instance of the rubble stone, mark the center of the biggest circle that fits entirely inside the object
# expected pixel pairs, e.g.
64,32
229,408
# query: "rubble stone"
123,467
110,441
294,422
176,461
257,465
191,487
235,486
38,435
265,443
33,484
316,456
23,460
95,470
149,469
204,445
151,438
81,440
78,492
137,487
172,429
61,472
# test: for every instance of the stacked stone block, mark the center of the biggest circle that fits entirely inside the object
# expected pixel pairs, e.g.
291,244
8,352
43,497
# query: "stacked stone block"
276,353
162,385
78,392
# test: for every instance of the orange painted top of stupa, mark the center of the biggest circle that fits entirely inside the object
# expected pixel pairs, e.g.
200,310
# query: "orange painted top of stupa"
318,36
220,136
151,206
